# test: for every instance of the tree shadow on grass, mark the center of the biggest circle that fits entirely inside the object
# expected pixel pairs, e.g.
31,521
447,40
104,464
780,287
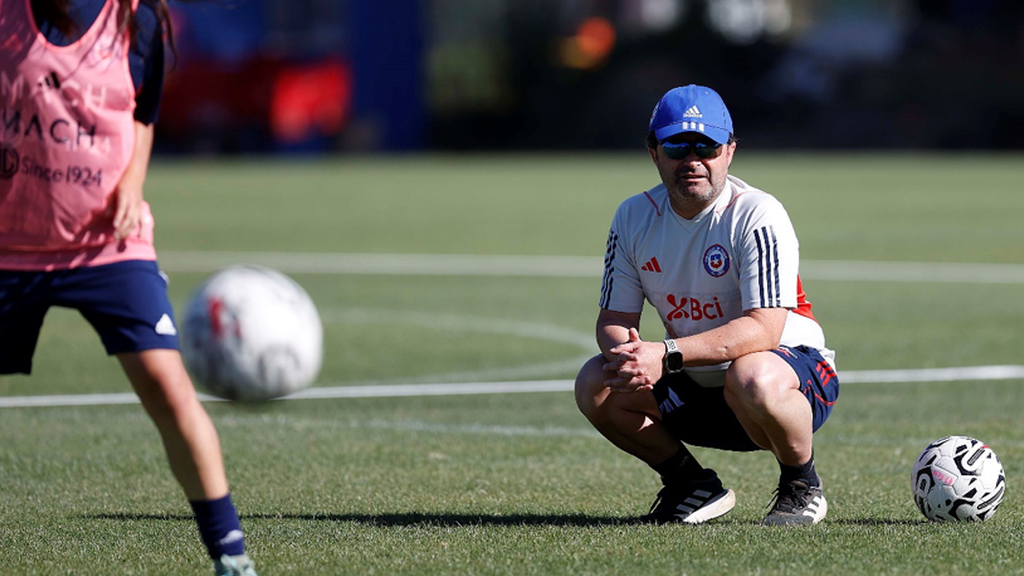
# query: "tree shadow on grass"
457,520
409,519
135,517
877,522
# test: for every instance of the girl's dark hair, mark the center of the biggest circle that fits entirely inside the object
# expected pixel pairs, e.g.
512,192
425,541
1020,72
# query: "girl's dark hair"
56,11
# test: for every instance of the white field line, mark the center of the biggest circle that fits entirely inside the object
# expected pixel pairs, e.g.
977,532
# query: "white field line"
975,373
462,323
566,266
349,315
935,374
387,264
416,426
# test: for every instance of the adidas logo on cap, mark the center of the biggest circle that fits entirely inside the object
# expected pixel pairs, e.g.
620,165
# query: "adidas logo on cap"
691,108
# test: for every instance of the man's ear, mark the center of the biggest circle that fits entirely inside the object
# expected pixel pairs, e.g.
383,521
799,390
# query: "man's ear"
731,149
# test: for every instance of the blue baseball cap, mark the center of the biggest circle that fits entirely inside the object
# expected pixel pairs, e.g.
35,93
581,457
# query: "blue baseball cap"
691,108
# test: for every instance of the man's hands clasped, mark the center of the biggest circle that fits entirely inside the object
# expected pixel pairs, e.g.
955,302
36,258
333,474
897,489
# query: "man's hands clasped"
638,364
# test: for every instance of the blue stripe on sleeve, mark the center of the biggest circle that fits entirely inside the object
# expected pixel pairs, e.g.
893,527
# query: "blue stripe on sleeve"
609,268
768,267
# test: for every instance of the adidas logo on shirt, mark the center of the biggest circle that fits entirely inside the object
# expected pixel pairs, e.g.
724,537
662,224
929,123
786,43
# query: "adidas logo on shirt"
693,112
165,326
651,266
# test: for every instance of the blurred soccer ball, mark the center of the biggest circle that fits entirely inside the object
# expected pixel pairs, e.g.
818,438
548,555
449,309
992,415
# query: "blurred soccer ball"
958,478
252,333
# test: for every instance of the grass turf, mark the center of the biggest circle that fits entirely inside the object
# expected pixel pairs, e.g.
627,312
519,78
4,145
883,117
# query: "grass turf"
519,483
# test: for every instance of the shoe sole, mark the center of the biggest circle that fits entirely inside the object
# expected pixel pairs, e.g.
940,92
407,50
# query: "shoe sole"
713,508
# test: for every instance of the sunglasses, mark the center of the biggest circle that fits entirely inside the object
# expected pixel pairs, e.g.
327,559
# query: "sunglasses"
682,150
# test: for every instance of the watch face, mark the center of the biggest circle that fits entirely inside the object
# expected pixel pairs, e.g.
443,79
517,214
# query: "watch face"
674,362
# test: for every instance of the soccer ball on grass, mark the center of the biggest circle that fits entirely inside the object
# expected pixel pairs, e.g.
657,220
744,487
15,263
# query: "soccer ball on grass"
958,478
251,334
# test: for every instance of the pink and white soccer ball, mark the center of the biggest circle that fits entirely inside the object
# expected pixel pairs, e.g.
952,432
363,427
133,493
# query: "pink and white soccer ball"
958,478
250,334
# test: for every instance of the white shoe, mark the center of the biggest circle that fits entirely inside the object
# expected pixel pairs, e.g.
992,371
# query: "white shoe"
239,565
699,500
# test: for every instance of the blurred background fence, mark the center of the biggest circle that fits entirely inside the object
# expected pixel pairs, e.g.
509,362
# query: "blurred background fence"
274,76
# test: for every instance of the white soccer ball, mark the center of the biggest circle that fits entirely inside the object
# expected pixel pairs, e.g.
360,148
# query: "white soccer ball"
251,334
958,478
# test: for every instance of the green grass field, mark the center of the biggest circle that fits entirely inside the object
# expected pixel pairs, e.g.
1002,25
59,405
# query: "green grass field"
520,483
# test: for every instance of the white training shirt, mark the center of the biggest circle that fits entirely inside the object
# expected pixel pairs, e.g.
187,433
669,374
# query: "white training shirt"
740,253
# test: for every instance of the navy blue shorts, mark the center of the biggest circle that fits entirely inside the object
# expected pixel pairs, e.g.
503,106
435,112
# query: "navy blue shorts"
699,416
125,302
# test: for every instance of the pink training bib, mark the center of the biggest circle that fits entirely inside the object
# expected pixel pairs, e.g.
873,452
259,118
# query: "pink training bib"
66,138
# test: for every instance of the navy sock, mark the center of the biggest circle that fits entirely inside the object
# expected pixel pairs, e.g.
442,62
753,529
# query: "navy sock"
803,472
218,526
679,467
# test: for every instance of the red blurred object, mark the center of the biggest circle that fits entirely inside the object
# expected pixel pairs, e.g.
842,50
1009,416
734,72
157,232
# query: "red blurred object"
213,106
596,37
591,45
310,101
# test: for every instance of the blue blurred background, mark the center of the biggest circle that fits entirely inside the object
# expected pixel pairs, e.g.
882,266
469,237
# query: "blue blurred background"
307,76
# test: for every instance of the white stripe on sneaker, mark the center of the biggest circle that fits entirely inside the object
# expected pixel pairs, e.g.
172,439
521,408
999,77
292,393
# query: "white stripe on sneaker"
817,508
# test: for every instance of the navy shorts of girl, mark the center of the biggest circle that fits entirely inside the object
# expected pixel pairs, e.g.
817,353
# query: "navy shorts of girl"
699,416
126,303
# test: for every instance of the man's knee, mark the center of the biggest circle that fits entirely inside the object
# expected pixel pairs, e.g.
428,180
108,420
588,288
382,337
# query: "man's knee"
756,381
590,389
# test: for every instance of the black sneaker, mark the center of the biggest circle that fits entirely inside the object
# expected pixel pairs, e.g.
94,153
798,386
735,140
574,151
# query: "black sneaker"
695,502
797,503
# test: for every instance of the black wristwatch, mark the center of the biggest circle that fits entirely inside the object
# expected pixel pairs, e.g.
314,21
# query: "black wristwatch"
673,357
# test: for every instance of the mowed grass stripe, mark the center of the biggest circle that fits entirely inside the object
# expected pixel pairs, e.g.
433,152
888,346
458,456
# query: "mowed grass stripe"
564,266
969,374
